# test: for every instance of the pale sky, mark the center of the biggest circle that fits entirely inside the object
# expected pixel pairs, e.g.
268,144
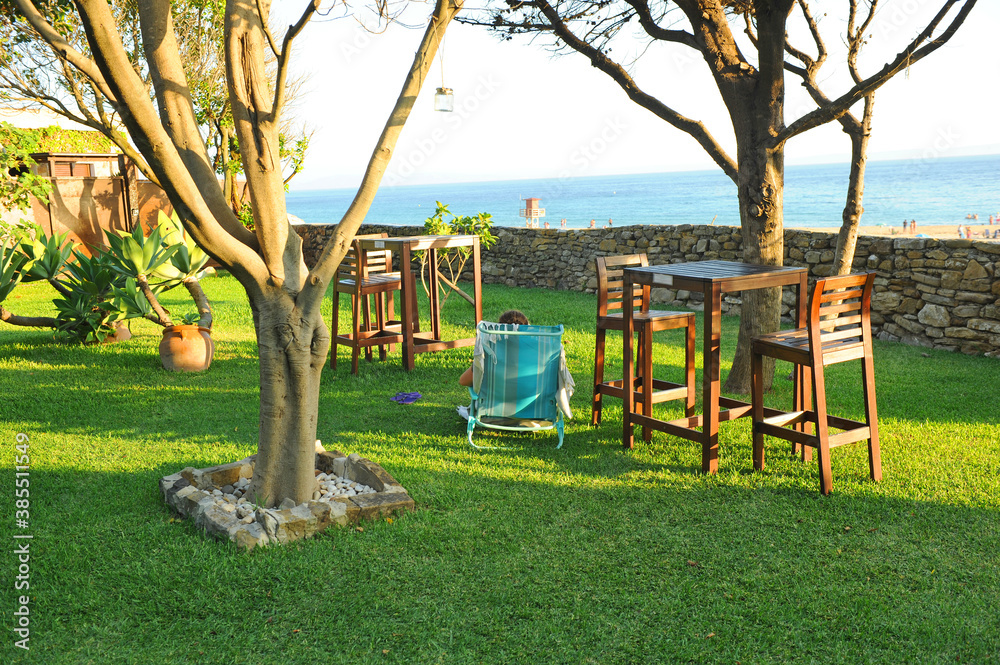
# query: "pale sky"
522,113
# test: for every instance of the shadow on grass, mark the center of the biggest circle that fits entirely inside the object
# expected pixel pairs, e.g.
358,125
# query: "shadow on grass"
588,552
497,566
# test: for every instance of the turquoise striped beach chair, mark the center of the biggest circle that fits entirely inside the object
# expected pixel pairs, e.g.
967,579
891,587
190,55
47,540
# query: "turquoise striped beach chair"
519,379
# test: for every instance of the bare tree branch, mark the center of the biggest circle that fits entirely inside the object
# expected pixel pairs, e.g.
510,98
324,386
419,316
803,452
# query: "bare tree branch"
911,54
177,113
267,30
145,128
336,247
61,47
286,51
654,30
29,321
602,62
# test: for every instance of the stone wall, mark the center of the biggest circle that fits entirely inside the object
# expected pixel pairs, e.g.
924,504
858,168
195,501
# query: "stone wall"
942,294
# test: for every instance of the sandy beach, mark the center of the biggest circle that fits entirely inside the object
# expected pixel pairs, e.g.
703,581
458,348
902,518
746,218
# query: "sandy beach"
942,231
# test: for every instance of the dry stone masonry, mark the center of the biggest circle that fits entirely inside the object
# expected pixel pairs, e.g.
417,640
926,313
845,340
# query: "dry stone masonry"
349,489
942,294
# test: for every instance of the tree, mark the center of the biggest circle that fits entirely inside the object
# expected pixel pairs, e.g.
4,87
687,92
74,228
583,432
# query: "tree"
859,131
752,90
18,184
33,77
285,296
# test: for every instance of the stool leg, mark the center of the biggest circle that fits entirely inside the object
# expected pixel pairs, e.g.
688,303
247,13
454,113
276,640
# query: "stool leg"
595,407
871,419
646,363
757,400
689,381
390,313
335,323
368,323
807,402
822,431
355,331
380,320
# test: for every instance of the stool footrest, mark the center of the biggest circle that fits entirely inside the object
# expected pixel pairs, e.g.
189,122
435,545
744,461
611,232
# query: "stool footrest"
776,425
663,391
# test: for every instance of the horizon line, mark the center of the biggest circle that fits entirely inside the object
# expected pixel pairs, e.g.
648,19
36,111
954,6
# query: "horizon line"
679,170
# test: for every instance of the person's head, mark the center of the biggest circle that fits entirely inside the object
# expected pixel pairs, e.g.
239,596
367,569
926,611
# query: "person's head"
513,316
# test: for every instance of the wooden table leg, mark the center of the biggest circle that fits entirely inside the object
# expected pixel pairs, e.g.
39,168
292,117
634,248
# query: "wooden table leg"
477,274
409,297
435,294
711,352
628,370
802,376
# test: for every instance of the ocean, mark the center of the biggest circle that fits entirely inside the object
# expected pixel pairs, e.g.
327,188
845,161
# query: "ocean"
930,191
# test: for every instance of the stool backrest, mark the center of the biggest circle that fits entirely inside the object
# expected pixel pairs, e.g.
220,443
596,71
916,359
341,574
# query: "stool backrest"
611,285
840,315
376,262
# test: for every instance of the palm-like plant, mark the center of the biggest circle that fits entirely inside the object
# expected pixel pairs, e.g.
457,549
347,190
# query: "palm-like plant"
84,284
152,264
47,256
186,265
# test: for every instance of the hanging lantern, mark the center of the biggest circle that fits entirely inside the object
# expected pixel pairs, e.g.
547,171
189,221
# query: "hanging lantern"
444,100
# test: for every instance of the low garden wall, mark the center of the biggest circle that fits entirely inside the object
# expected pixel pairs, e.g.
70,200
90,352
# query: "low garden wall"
942,294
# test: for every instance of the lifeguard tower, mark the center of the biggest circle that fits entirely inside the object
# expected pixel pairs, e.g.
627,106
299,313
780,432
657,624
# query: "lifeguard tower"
531,212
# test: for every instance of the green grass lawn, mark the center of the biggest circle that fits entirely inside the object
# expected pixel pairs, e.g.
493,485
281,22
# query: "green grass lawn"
588,554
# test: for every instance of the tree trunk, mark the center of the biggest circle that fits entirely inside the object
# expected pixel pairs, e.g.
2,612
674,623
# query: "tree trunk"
29,321
847,239
200,301
761,197
757,118
162,315
292,350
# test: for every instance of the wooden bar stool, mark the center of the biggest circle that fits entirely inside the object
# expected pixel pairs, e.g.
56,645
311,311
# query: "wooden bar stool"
363,275
838,330
610,303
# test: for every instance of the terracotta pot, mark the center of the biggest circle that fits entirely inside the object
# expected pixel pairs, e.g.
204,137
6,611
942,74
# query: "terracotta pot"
186,348
121,334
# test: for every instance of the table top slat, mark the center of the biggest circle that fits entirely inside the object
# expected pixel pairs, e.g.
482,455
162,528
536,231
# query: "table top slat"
714,270
729,275
416,243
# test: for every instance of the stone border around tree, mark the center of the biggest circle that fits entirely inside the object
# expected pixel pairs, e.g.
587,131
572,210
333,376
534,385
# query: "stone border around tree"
189,492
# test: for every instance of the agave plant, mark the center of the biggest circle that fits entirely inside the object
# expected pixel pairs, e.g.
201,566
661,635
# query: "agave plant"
13,265
86,312
47,256
186,266
84,283
151,264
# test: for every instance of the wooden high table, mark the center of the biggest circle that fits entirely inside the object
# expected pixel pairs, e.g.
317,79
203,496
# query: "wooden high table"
412,341
711,278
